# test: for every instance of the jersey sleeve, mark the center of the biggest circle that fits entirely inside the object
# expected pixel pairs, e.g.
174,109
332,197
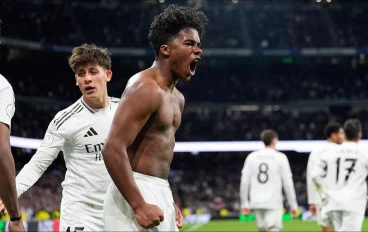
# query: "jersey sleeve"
49,149
7,104
318,172
287,182
313,197
245,184
364,153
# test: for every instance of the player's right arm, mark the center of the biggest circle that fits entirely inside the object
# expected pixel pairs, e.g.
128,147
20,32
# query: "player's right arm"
312,194
245,187
318,173
138,102
51,145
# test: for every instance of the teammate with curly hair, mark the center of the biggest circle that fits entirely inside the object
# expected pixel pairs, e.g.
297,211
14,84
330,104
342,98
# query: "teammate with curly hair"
140,145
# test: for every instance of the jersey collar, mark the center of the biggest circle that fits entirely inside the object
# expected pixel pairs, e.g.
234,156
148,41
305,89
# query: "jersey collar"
94,111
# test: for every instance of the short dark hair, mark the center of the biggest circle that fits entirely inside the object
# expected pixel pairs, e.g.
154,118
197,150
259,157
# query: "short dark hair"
267,136
171,21
332,128
88,53
352,127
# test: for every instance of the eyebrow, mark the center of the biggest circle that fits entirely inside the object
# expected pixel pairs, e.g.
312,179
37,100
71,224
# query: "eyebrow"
82,69
193,41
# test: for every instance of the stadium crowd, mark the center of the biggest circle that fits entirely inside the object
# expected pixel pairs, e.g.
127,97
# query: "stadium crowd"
258,25
230,80
207,182
217,124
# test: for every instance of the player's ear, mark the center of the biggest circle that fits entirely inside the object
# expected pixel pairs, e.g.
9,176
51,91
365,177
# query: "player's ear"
165,49
108,75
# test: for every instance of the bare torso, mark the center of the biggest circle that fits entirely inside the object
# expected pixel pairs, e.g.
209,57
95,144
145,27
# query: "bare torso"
152,151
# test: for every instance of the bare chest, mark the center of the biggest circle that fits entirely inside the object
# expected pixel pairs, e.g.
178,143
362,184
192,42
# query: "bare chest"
169,115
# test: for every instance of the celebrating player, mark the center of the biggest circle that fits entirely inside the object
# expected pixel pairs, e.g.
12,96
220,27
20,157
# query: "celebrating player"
140,145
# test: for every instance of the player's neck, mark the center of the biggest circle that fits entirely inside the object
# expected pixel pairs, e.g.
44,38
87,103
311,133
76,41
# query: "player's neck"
166,77
97,103
271,147
352,141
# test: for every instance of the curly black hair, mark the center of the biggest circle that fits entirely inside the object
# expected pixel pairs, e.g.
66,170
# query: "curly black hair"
171,21
332,128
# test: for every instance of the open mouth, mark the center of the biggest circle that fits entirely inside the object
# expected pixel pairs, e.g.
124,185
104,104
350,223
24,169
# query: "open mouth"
193,65
89,88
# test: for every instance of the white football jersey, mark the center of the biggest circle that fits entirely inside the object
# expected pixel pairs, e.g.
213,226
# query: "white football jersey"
7,101
80,132
341,175
313,160
264,174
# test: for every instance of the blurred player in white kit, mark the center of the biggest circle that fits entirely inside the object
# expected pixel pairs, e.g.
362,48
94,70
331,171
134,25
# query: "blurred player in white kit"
80,132
7,167
340,177
335,135
264,174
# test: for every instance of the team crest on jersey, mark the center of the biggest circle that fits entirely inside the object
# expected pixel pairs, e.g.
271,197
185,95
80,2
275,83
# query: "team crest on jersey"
48,140
10,110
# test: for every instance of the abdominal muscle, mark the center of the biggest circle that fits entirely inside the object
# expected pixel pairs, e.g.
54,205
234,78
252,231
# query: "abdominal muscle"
153,154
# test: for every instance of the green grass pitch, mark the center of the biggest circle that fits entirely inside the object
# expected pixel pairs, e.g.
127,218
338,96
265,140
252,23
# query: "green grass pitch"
236,225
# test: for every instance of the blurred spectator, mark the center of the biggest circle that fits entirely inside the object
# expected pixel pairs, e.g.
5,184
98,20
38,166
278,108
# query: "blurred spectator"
263,25
221,80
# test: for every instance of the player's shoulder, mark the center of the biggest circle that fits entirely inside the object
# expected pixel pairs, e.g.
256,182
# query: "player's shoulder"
357,146
179,94
145,85
327,147
267,152
75,107
350,146
114,100
63,116
251,156
363,150
144,81
114,103
254,153
280,156
4,83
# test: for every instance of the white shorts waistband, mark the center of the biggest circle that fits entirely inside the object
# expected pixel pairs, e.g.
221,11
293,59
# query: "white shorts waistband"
151,179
